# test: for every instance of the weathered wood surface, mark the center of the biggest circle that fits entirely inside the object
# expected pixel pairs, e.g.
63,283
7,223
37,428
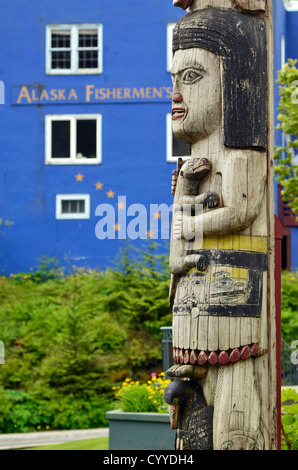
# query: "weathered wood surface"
222,254
245,5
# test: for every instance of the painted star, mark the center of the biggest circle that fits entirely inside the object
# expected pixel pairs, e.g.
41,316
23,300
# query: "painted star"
121,205
157,215
79,177
117,227
98,185
150,234
110,194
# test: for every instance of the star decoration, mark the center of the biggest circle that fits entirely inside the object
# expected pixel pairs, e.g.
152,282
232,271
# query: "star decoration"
98,185
117,227
121,205
157,215
110,194
79,177
150,234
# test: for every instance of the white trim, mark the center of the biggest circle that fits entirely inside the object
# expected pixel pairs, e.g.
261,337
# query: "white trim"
283,51
169,137
72,197
74,35
170,28
73,160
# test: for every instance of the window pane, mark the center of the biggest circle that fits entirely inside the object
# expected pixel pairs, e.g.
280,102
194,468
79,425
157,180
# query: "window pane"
65,207
60,38
60,139
81,206
88,38
86,138
73,206
61,60
180,149
88,59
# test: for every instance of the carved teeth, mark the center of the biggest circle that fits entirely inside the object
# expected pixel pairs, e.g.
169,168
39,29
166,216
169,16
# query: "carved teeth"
181,356
245,352
191,356
234,355
213,358
202,358
186,356
254,350
223,358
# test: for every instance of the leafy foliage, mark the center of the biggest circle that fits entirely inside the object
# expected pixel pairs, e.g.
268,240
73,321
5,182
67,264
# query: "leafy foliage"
289,306
70,337
136,397
286,170
289,398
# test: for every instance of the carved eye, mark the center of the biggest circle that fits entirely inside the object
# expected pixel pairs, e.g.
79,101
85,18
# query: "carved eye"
191,76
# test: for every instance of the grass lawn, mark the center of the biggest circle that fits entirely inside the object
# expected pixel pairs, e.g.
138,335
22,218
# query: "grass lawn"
100,443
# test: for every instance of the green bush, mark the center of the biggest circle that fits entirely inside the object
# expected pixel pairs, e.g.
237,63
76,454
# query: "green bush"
69,337
289,306
289,419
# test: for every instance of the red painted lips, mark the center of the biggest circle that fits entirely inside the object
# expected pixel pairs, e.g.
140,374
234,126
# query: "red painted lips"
178,113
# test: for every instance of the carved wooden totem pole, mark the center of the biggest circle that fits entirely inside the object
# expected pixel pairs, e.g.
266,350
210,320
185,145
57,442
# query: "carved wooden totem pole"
223,393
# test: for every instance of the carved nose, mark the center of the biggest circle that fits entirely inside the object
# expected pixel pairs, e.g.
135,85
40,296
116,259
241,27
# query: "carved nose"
177,98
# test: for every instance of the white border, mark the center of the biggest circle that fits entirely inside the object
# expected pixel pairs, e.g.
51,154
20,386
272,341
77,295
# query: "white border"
74,30
49,118
169,134
170,28
72,197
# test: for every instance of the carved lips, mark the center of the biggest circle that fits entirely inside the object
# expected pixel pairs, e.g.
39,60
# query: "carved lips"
178,113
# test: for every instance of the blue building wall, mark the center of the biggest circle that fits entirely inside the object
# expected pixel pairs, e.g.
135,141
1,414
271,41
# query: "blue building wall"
133,133
133,130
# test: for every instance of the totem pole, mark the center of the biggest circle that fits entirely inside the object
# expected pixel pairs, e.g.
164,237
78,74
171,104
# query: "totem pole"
223,393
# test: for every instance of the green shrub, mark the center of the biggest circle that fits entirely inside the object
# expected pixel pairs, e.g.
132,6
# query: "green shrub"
289,306
70,336
133,396
289,435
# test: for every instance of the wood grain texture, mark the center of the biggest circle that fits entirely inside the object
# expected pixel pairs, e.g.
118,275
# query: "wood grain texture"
243,5
222,256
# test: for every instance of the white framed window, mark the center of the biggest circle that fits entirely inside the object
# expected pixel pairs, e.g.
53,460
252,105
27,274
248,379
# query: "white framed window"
170,28
73,139
175,147
74,49
72,206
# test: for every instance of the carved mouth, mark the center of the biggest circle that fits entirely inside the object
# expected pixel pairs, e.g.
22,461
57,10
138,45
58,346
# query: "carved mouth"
178,113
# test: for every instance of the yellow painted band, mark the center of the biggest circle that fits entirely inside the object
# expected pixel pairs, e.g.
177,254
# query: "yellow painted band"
234,242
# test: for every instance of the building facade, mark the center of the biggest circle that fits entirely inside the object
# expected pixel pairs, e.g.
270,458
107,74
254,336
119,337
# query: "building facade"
87,151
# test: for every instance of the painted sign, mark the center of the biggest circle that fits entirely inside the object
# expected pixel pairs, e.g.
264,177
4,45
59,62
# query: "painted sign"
40,94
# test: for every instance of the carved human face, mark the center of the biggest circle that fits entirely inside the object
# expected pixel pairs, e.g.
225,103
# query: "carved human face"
196,102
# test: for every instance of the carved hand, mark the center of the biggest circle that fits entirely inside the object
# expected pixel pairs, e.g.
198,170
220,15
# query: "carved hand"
211,200
177,225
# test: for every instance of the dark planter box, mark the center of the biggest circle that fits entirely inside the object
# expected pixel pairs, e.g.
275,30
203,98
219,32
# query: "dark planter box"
140,431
